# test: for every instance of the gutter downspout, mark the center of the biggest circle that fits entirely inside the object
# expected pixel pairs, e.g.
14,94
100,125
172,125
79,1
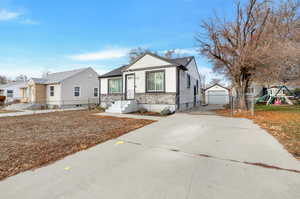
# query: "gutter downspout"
99,91
178,88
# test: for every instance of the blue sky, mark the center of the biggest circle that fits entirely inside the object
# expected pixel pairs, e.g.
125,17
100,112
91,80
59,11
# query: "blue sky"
58,35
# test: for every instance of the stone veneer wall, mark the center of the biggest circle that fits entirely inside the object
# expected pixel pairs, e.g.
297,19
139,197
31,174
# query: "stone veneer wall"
156,98
107,99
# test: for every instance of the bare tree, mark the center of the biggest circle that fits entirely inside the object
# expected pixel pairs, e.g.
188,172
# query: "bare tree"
215,81
169,53
23,78
3,79
136,52
247,45
202,81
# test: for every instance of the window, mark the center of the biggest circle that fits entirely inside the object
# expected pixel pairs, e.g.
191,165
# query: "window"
155,81
10,93
188,81
77,91
115,85
1,92
95,92
197,86
51,91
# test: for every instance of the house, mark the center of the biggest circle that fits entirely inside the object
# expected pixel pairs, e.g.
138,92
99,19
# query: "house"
217,94
153,83
69,88
11,90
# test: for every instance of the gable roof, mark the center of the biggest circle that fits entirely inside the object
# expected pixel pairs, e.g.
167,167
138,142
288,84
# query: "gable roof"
216,84
183,61
14,83
114,73
58,77
180,62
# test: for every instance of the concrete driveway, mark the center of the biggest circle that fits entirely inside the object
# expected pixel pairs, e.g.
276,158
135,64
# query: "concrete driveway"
181,157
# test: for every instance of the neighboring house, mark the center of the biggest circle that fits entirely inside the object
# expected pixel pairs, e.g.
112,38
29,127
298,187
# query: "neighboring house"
69,88
217,94
152,82
257,89
12,90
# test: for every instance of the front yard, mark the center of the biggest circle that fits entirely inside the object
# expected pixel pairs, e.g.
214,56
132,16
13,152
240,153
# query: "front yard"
28,142
283,122
5,111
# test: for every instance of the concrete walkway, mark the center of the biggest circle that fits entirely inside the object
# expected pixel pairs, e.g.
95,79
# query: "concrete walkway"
179,157
29,112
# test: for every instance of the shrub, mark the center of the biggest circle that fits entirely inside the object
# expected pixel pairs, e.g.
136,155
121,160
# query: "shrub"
142,110
166,112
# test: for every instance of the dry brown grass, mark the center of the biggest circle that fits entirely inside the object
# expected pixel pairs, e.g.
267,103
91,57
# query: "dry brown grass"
5,111
283,125
32,141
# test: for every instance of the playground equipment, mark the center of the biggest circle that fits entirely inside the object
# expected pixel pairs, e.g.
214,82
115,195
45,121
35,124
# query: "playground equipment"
277,95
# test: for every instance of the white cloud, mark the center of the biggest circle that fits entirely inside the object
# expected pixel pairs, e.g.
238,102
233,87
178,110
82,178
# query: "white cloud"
189,51
13,71
182,51
6,15
101,55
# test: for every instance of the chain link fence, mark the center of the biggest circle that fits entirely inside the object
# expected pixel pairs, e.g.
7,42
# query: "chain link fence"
53,104
235,107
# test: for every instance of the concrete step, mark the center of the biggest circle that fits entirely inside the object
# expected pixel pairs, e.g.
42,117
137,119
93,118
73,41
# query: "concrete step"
127,106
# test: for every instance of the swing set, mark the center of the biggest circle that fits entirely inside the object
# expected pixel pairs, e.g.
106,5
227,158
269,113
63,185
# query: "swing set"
278,95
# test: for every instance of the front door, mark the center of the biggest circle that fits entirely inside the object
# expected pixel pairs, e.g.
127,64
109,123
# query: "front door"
130,87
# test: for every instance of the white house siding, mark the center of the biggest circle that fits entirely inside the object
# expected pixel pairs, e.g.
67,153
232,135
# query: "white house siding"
87,81
148,61
15,87
186,98
56,99
256,89
107,99
104,86
217,95
140,79
155,102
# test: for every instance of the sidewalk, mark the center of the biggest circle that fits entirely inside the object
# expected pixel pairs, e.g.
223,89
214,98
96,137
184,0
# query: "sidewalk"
30,112
156,118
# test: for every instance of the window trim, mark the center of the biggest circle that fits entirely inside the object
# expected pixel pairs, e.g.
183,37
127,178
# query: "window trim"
52,92
111,93
12,94
197,85
96,92
164,81
188,77
77,91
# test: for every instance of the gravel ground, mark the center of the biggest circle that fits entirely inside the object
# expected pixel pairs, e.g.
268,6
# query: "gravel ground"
32,141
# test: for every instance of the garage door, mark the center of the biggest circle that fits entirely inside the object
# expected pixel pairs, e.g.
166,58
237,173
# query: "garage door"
217,97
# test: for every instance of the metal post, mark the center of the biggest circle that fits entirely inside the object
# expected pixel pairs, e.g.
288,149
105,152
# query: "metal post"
252,105
231,105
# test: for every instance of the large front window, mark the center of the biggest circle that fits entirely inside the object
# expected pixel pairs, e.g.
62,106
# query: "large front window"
115,85
155,81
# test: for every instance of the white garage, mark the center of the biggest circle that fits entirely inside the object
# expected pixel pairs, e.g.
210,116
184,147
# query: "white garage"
217,94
